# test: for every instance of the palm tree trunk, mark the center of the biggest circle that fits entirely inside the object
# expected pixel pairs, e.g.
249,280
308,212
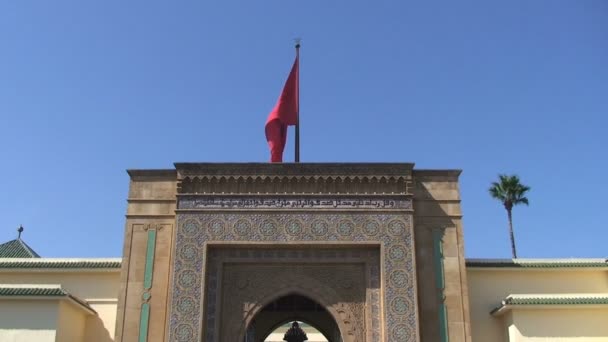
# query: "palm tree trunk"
511,234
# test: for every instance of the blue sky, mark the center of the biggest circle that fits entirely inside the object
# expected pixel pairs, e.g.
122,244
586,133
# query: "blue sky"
89,89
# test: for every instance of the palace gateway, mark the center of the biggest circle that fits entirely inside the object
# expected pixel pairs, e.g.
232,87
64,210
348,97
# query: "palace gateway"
365,252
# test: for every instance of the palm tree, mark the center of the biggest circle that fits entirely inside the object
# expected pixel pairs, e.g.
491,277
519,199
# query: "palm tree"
511,193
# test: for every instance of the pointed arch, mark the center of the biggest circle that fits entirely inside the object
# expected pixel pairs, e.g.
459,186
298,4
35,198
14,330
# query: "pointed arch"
339,315
321,320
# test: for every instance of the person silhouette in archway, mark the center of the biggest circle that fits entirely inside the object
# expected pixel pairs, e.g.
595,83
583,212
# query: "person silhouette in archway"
295,334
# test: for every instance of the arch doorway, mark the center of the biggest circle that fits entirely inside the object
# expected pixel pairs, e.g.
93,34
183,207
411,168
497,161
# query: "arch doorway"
278,315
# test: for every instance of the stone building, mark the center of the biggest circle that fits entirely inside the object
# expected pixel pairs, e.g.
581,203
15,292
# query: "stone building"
361,252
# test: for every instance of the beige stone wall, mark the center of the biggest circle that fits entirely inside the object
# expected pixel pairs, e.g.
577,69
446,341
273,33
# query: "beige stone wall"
437,207
565,325
100,327
98,288
28,320
488,287
151,205
43,319
70,323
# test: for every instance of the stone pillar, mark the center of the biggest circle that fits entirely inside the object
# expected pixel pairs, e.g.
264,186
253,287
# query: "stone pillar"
441,273
150,221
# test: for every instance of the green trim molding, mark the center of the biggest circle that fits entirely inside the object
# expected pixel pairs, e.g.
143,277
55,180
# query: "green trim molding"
149,267
144,318
440,282
438,259
144,321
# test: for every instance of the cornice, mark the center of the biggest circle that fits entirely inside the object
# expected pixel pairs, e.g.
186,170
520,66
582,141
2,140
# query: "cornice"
294,169
295,185
294,178
437,173
149,175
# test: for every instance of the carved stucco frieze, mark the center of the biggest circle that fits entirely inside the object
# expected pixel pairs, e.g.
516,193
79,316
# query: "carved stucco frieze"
285,202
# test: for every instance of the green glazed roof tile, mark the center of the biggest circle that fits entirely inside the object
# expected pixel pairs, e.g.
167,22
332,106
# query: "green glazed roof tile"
553,299
12,290
17,249
537,263
57,263
32,291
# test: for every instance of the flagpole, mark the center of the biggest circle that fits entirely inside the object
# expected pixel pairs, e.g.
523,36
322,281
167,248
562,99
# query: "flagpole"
297,154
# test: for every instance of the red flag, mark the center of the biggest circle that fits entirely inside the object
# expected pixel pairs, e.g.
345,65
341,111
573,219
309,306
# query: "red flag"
285,113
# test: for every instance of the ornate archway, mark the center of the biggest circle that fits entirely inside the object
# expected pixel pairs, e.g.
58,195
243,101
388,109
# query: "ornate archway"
242,282
289,308
296,283
188,226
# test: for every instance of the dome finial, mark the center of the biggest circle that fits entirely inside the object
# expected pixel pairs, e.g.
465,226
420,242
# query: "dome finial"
20,230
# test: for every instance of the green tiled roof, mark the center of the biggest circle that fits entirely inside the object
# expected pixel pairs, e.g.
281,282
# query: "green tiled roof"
17,249
41,291
561,299
32,291
555,301
537,263
56,263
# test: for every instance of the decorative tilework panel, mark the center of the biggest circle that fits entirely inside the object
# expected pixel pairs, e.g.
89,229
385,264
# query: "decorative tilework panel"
392,230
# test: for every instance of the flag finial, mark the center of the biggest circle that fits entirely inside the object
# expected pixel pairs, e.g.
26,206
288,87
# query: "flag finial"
298,42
